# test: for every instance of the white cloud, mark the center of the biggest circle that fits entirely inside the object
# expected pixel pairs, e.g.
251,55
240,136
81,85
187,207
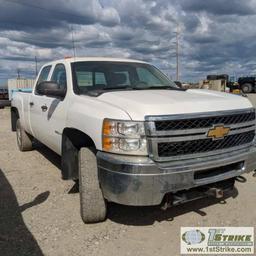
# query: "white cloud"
213,38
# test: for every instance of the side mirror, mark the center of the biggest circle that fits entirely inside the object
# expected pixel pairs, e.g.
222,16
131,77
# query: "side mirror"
50,88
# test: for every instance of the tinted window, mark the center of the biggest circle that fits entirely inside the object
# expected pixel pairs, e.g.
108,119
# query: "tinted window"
44,74
59,75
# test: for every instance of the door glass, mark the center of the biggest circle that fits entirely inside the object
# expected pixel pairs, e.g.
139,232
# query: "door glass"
43,75
59,76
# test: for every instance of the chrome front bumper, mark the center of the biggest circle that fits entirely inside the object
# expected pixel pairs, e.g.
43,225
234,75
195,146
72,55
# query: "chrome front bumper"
139,181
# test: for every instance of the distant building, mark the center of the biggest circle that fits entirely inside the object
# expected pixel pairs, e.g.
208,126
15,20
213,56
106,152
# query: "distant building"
21,83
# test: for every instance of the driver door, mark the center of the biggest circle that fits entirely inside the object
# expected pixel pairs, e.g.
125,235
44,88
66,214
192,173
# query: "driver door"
54,112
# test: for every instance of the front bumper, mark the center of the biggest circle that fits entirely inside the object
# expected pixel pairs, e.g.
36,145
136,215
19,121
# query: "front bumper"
139,181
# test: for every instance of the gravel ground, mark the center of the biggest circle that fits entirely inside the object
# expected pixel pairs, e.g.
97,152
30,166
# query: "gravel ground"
39,212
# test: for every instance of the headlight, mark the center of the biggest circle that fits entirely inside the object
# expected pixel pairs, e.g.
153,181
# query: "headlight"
124,137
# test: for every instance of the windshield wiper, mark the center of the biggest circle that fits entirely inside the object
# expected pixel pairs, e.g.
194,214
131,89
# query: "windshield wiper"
158,88
117,87
129,87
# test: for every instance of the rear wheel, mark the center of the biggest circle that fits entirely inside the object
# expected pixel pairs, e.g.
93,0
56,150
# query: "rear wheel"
24,140
92,202
246,88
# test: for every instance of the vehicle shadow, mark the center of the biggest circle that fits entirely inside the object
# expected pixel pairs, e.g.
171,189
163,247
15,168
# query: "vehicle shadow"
143,216
50,155
55,159
15,238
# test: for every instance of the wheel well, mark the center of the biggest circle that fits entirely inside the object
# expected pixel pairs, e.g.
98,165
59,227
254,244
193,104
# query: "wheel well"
72,141
14,117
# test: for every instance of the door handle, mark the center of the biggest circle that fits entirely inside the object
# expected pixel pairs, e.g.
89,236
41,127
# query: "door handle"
31,103
44,108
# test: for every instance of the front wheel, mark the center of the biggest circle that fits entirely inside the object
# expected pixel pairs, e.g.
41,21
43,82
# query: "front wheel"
24,140
92,202
246,88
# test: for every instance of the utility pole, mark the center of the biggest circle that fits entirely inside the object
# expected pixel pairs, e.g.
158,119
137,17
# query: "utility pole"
18,73
36,65
177,52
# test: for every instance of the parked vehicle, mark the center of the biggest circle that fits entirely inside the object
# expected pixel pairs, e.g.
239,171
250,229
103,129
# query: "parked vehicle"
3,94
4,103
247,84
131,136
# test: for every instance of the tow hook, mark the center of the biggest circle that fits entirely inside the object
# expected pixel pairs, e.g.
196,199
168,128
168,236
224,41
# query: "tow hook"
215,192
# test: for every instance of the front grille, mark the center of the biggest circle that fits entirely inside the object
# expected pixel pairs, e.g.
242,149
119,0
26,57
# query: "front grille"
167,149
185,136
203,122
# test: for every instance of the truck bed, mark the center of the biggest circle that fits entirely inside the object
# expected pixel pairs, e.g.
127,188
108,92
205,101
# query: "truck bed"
24,90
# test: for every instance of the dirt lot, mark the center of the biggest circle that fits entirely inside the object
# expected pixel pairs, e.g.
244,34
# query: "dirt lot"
39,212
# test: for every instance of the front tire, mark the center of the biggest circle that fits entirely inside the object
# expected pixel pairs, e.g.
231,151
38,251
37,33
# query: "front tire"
24,140
92,203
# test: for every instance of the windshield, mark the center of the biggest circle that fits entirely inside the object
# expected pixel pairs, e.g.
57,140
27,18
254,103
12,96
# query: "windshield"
98,75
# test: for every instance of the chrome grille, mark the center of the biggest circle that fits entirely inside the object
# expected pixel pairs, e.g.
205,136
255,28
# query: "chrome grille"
193,123
176,137
199,146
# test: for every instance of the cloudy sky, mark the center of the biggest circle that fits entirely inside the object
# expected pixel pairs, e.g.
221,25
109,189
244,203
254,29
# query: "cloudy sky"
215,35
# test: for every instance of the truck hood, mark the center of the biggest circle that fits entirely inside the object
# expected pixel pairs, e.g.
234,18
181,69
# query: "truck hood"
138,104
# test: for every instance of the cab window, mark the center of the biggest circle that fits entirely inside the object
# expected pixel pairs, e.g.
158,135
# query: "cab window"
44,74
59,75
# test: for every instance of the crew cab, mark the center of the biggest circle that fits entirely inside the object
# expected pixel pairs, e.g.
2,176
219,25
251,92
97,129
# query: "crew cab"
129,135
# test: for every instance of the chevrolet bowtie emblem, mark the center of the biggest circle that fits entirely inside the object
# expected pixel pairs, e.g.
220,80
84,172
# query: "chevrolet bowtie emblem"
218,132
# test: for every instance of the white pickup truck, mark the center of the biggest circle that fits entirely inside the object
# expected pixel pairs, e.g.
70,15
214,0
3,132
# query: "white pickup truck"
131,136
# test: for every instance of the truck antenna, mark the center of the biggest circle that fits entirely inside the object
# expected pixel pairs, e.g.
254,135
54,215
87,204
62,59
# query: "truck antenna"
73,41
177,52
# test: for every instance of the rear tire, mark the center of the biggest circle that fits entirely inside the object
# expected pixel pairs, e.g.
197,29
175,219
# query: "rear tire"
24,140
92,203
246,88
